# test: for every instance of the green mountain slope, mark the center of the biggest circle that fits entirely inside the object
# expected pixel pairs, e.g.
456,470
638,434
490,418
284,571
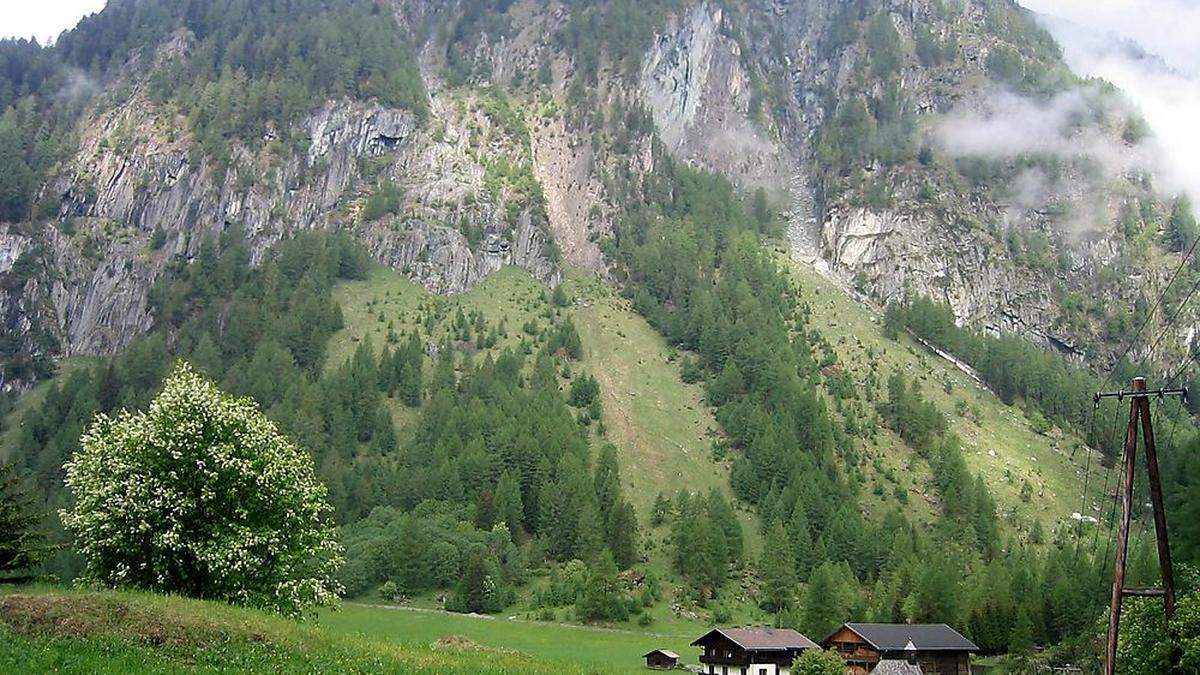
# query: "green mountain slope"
1000,442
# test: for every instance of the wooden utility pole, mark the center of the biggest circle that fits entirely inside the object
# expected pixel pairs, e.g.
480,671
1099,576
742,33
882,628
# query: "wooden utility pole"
1139,410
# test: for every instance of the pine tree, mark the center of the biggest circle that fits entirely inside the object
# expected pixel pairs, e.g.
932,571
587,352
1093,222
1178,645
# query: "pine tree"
623,535
804,552
589,530
824,605
475,588
509,507
1181,228
660,511
777,570
21,546
607,481
720,512
1020,639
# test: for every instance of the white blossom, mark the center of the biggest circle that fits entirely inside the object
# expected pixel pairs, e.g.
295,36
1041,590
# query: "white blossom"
201,495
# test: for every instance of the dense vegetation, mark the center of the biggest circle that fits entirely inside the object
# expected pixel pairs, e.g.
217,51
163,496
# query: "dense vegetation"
697,269
506,472
499,477
500,474
21,546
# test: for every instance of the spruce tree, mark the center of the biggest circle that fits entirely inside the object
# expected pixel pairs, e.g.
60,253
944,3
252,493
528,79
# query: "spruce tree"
509,507
824,608
21,546
602,598
623,535
475,587
607,481
777,570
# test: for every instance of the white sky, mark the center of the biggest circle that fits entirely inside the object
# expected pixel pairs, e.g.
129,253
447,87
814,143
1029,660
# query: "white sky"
43,19
1169,98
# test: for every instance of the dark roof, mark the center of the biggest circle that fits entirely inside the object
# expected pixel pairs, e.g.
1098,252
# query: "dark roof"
763,639
664,652
925,637
896,667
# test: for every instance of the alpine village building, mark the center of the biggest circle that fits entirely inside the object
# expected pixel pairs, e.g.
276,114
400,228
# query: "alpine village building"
934,648
751,651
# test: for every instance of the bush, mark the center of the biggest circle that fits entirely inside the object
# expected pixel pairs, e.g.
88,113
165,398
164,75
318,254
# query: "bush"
200,495
817,662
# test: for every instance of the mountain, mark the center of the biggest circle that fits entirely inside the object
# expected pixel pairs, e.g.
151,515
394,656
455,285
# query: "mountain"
320,203
507,128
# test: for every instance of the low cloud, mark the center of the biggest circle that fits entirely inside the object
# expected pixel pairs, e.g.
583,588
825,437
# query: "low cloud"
1005,125
1081,128
77,85
1148,49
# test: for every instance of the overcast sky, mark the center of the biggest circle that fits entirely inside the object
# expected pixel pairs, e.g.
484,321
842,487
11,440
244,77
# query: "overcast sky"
1167,91
43,19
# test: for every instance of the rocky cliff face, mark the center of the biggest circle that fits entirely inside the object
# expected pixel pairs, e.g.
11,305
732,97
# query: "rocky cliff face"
749,93
695,86
744,89
138,195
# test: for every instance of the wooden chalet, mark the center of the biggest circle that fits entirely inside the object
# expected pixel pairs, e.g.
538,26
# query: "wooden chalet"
935,648
661,659
751,651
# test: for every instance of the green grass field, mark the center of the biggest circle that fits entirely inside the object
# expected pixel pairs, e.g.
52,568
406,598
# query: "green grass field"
70,631
600,649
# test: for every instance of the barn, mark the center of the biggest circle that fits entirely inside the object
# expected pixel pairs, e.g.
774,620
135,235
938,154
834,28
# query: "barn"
661,659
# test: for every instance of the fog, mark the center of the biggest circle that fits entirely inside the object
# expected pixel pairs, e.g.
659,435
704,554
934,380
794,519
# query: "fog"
1149,49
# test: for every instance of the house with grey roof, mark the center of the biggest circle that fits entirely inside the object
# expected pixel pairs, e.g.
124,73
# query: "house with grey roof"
751,651
937,649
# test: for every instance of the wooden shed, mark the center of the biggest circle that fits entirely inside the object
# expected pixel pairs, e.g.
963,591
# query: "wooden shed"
661,659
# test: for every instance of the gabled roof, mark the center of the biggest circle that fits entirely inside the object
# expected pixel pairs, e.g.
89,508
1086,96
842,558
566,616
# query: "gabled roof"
762,639
926,637
664,652
896,667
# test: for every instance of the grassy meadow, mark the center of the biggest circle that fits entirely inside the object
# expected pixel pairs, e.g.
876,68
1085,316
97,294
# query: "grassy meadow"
73,631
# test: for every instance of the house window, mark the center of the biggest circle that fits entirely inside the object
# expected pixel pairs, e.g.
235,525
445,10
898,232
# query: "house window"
762,671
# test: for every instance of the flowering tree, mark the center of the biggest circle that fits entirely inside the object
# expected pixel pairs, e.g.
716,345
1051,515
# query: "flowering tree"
201,495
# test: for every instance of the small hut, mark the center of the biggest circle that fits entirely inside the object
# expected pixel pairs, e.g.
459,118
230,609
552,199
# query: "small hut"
661,659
